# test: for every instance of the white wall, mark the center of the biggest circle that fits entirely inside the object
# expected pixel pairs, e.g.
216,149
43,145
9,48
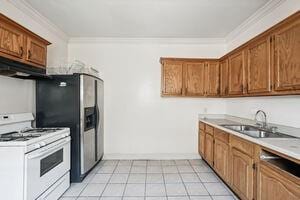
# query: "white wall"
137,119
18,95
282,110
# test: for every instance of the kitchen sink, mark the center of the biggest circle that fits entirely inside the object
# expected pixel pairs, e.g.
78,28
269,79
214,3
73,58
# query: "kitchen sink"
255,132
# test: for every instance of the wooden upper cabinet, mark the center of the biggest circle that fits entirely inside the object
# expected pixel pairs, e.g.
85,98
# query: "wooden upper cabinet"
36,51
19,44
195,79
172,78
236,73
213,78
242,174
11,41
224,77
287,56
259,66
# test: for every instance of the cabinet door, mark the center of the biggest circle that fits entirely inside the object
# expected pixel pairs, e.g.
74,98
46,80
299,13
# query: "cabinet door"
242,174
259,68
221,158
36,52
287,57
201,142
224,77
273,186
209,149
236,70
195,79
11,41
213,80
172,78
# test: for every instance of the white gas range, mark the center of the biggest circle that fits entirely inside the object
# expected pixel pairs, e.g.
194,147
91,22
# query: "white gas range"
34,162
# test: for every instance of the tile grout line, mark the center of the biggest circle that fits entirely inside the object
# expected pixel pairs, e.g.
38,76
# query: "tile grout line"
109,180
187,192
146,180
165,185
129,173
201,180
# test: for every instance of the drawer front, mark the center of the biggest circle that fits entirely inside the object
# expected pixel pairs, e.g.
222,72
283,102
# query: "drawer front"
221,135
242,145
201,126
209,129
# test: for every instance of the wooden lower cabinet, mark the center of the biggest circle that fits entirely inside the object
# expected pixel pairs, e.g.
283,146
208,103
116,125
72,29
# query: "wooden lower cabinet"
221,159
237,161
242,174
274,186
201,142
209,149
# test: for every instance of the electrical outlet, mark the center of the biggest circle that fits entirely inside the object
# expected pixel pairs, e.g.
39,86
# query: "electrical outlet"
4,117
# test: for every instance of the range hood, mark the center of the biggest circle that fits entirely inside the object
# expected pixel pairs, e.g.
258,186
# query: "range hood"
19,70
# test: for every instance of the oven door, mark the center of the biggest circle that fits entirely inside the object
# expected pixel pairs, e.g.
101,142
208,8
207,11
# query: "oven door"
43,167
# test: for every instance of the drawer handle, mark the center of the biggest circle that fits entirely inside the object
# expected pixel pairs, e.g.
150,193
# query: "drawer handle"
21,51
29,54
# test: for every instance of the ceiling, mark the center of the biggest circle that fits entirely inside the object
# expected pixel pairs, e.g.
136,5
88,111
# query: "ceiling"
147,18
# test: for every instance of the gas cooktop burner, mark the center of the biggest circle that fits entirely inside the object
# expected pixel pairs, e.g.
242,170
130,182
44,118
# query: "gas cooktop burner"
27,134
40,130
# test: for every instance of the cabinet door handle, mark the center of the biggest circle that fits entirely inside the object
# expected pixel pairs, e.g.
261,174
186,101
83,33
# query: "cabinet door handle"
29,54
226,90
21,51
241,88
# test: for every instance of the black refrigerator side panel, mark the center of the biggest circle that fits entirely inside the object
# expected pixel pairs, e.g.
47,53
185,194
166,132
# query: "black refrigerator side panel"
58,105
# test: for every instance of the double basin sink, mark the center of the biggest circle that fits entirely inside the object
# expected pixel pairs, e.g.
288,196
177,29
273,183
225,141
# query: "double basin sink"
256,132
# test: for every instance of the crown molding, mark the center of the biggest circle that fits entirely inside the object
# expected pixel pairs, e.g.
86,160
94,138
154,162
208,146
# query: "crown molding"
253,19
147,40
39,18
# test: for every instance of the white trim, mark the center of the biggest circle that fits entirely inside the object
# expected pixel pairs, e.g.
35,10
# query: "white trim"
26,8
148,40
156,156
253,19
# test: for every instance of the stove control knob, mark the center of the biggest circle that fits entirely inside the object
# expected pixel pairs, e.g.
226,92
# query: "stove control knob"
43,144
37,146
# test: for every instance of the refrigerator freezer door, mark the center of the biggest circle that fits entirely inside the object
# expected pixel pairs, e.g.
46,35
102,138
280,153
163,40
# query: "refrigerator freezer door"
100,114
88,136
88,89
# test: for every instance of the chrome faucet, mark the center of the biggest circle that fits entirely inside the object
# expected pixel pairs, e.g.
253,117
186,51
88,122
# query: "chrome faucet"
263,124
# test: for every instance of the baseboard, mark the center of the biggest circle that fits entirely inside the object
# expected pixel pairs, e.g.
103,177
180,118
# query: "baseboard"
158,156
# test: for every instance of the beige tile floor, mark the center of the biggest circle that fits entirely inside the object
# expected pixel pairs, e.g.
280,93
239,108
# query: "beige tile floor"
150,180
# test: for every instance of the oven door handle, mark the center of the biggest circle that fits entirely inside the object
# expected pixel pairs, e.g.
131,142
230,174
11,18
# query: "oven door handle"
46,151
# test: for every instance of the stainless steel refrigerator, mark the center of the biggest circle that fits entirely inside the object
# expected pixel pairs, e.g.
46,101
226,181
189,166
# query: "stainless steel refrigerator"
75,101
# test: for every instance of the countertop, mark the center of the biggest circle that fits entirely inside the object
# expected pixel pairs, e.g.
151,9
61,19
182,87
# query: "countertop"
287,146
